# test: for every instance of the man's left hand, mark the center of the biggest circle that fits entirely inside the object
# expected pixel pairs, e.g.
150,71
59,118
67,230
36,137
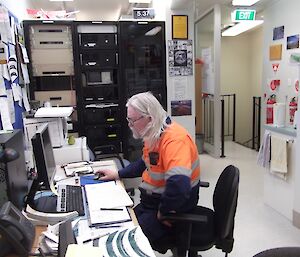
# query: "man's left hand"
165,222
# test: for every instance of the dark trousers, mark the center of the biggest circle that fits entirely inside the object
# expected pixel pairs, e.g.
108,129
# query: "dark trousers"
157,233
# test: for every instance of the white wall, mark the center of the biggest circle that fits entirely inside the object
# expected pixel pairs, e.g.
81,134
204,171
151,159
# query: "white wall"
256,60
186,121
241,66
283,13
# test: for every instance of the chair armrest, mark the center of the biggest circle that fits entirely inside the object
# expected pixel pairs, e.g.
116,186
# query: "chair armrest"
185,217
204,184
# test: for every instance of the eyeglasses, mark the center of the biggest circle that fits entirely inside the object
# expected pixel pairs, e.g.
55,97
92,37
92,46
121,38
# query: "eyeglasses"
132,121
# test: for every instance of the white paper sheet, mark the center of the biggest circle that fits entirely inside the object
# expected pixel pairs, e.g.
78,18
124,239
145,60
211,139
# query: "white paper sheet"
25,99
12,30
4,25
116,215
4,111
2,86
11,106
5,73
16,90
24,54
106,195
46,112
25,73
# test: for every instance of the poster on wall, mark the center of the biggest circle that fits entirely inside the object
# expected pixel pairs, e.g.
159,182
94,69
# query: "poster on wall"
278,33
180,58
180,85
275,52
292,42
181,108
208,84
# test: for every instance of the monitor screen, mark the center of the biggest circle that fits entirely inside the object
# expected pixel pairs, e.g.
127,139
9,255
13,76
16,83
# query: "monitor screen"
93,77
44,156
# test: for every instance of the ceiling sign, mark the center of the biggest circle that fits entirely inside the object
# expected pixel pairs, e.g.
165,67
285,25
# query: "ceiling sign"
243,15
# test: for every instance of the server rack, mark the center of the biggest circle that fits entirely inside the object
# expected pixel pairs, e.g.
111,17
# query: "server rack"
143,66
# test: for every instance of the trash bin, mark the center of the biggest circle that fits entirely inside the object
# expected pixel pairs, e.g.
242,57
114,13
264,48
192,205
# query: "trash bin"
200,143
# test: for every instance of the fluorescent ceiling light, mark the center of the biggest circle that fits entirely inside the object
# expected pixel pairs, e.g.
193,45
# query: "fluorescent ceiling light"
240,28
244,2
140,1
153,32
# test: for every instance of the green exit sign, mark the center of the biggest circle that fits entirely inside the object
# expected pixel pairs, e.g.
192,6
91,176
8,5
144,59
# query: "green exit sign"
243,15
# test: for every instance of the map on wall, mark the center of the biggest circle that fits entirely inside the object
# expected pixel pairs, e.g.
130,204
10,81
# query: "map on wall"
180,58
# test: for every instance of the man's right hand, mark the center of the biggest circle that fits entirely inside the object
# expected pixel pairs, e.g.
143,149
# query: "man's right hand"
108,174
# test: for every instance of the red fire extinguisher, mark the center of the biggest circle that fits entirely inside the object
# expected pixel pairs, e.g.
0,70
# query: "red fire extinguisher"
271,100
293,108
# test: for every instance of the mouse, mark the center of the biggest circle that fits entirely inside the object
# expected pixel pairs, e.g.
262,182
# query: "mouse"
98,176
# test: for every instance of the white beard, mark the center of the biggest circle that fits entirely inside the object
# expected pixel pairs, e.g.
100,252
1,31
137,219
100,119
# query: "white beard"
142,134
135,134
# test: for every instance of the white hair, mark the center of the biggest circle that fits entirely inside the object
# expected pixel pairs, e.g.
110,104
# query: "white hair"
147,104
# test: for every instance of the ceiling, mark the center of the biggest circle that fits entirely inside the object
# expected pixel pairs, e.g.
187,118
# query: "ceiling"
114,9
110,9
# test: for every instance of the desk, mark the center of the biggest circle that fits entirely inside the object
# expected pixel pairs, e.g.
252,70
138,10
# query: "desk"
61,178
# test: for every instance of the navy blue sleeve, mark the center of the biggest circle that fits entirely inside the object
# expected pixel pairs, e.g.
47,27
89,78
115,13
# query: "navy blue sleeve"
133,170
176,195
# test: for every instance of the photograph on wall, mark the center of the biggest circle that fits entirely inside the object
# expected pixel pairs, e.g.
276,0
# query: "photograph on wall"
275,52
181,108
278,33
292,42
295,58
180,57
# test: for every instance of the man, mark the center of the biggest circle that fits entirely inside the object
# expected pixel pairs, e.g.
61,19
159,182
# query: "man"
169,167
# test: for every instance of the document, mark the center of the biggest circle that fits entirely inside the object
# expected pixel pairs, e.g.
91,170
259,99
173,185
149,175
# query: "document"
84,169
109,216
106,195
85,234
104,164
75,250
53,112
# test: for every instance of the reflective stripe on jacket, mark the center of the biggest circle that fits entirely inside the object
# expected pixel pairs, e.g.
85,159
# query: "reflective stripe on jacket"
176,154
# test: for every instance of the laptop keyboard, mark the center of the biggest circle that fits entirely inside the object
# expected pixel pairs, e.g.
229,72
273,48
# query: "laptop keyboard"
69,199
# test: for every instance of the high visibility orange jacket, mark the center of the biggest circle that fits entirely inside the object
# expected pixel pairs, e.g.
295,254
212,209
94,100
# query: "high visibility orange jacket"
170,172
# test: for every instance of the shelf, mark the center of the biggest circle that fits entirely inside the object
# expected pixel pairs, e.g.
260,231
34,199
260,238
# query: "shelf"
289,131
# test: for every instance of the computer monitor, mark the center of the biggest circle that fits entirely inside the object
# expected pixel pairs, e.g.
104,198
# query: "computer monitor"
45,166
44,156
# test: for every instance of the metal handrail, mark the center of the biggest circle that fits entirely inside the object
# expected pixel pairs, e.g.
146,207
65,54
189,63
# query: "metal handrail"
227,116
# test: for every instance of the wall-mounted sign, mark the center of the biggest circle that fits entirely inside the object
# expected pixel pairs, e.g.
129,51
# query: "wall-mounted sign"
243,15
179,27
143,13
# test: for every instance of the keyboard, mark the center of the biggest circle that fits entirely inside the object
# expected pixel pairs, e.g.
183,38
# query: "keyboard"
70,198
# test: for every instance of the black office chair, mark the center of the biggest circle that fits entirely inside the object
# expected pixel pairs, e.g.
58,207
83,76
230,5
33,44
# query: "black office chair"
204,228
280,252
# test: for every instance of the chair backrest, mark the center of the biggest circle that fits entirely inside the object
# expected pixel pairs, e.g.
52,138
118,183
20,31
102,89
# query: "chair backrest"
225,202
280,252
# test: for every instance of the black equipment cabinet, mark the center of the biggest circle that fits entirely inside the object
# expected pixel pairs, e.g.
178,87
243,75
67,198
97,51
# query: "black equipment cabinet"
98,83
143,66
